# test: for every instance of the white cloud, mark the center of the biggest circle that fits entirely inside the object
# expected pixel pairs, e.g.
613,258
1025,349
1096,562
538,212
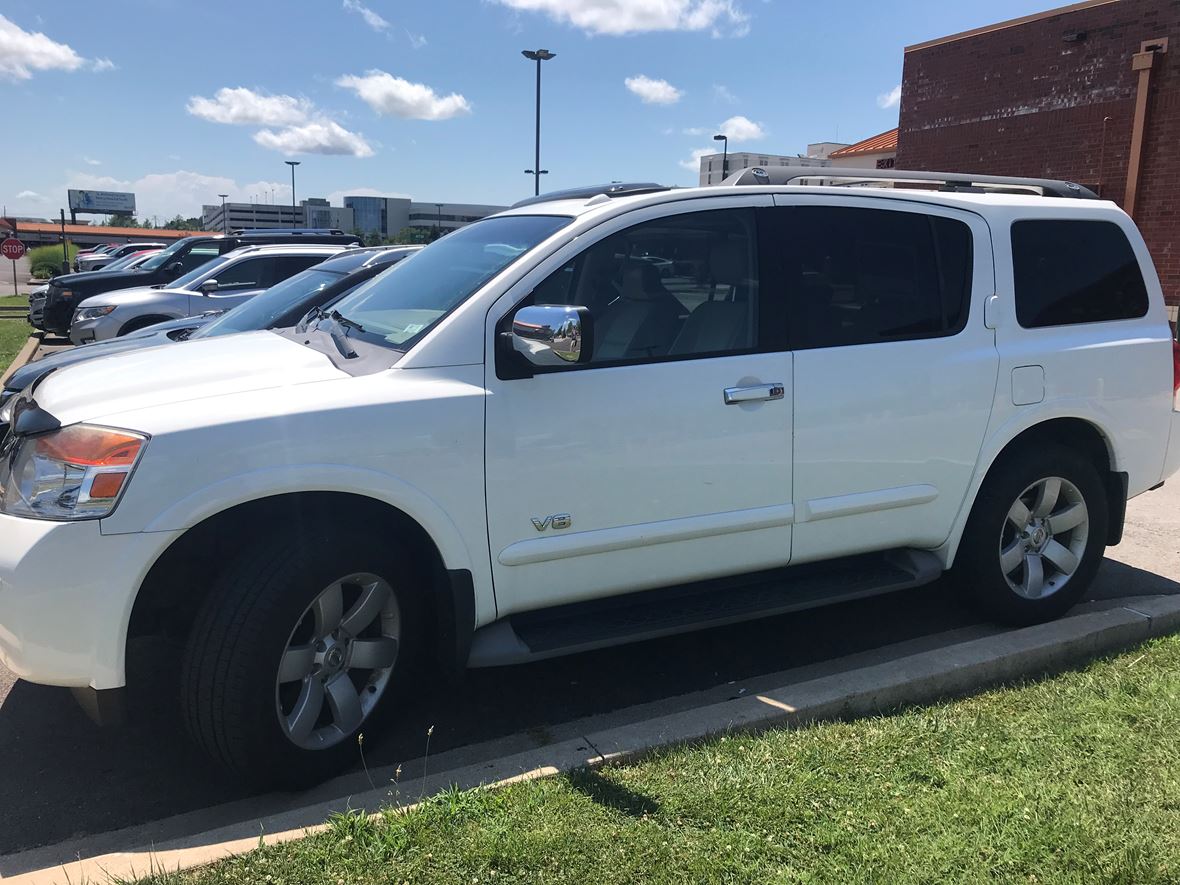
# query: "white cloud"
387,94
32,196
22,52
315,137
742,129
103,64
653,91
693,163
246,107
723,93
372,19
90,161
616,17
166,194
294,125
416,40
890,99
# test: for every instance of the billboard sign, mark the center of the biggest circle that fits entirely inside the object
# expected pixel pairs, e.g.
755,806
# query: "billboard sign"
102,202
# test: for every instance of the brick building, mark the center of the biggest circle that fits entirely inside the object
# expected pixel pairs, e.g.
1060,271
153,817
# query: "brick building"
1088,92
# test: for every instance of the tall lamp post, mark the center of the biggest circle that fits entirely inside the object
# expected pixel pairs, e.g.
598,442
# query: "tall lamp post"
538,56
438,224
224,220
724,155
292,164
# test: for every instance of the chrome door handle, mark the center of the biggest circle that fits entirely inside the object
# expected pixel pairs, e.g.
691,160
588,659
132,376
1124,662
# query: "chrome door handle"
754,393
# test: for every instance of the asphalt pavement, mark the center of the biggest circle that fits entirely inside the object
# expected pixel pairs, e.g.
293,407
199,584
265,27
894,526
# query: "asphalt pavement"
62,778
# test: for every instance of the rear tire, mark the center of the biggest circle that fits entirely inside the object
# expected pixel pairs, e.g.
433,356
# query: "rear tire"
306,640
1035,537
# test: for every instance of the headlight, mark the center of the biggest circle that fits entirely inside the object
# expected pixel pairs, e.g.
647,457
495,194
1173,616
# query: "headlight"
92,313
77,472
7,402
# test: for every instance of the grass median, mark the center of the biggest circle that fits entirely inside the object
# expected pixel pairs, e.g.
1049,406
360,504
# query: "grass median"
1072,779
13,335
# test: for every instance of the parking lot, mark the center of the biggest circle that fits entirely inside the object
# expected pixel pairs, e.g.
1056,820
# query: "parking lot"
57,761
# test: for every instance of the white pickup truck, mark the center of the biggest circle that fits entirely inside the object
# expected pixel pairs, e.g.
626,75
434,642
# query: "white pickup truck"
597,417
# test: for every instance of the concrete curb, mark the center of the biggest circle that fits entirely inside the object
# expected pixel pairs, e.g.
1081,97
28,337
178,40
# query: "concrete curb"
22,357
919,678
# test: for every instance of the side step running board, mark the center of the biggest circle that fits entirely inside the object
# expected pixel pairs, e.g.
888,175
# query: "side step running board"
582,626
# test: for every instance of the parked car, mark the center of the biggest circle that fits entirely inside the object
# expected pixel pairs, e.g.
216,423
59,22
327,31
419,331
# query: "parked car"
186,254
283,304
220,284
98,261
130,261
93,250
868,387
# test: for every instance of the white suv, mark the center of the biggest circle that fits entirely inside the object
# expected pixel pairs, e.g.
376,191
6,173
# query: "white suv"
596,418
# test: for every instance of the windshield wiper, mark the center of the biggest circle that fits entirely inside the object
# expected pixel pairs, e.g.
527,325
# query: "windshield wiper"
345,321
316,313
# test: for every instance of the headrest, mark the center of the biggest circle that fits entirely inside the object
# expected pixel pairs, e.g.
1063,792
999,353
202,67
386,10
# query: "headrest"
729,262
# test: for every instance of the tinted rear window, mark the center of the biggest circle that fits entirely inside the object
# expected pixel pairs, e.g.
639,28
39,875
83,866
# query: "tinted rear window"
1070,272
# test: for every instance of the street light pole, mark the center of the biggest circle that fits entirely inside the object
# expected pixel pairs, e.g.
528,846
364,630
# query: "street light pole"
724,155
538,56
438,224
224,219
292,164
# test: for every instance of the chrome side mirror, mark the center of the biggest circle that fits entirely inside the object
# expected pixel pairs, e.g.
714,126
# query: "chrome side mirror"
209,287
553,334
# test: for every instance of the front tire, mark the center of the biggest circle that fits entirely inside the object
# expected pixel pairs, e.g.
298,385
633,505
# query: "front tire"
303,643
1035,537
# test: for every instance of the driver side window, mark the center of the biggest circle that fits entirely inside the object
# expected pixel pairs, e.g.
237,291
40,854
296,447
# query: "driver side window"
676,287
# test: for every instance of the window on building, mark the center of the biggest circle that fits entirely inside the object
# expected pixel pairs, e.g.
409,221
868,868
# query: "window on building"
860,276
685,285
1069,272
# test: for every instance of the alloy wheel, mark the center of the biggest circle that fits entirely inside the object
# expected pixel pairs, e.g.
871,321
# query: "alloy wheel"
338,661
1044,537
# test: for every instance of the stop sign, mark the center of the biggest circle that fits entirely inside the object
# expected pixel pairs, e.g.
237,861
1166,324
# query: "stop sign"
12,249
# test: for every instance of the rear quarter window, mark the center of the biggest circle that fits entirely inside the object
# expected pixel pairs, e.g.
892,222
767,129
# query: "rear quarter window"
1071,272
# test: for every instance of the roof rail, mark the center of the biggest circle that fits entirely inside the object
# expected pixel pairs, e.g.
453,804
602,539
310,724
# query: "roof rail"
614,189
950,181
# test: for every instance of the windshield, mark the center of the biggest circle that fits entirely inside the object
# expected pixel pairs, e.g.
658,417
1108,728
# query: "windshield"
159,259
261,311
404,302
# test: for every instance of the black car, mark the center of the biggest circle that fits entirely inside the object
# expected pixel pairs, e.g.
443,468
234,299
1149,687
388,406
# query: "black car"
67,291
279,306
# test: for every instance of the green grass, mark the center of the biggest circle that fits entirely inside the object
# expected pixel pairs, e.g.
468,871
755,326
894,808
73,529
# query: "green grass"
14,301
13,334
1074,779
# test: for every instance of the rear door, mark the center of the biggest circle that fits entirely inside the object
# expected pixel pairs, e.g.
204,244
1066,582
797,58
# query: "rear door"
895,370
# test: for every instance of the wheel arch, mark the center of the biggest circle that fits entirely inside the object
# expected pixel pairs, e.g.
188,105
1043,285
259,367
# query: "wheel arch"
181,577
1080,434
142,322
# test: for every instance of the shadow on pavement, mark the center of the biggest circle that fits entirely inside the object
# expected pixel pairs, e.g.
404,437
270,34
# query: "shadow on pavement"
63,778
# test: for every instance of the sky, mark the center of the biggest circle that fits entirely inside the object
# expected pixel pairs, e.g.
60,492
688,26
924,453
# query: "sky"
180,101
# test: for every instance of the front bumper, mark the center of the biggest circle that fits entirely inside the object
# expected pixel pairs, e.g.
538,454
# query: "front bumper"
86,331
66,594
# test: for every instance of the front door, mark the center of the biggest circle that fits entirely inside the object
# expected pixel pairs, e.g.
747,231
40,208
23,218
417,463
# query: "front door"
638,469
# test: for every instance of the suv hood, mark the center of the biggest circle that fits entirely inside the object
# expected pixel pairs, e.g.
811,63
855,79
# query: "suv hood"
132,296
120,279
195,370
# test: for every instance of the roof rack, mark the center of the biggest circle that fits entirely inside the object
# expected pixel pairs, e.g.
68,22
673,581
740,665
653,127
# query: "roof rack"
294,231
614,189
950,181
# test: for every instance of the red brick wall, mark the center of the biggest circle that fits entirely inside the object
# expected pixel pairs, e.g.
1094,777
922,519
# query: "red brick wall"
1022,100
